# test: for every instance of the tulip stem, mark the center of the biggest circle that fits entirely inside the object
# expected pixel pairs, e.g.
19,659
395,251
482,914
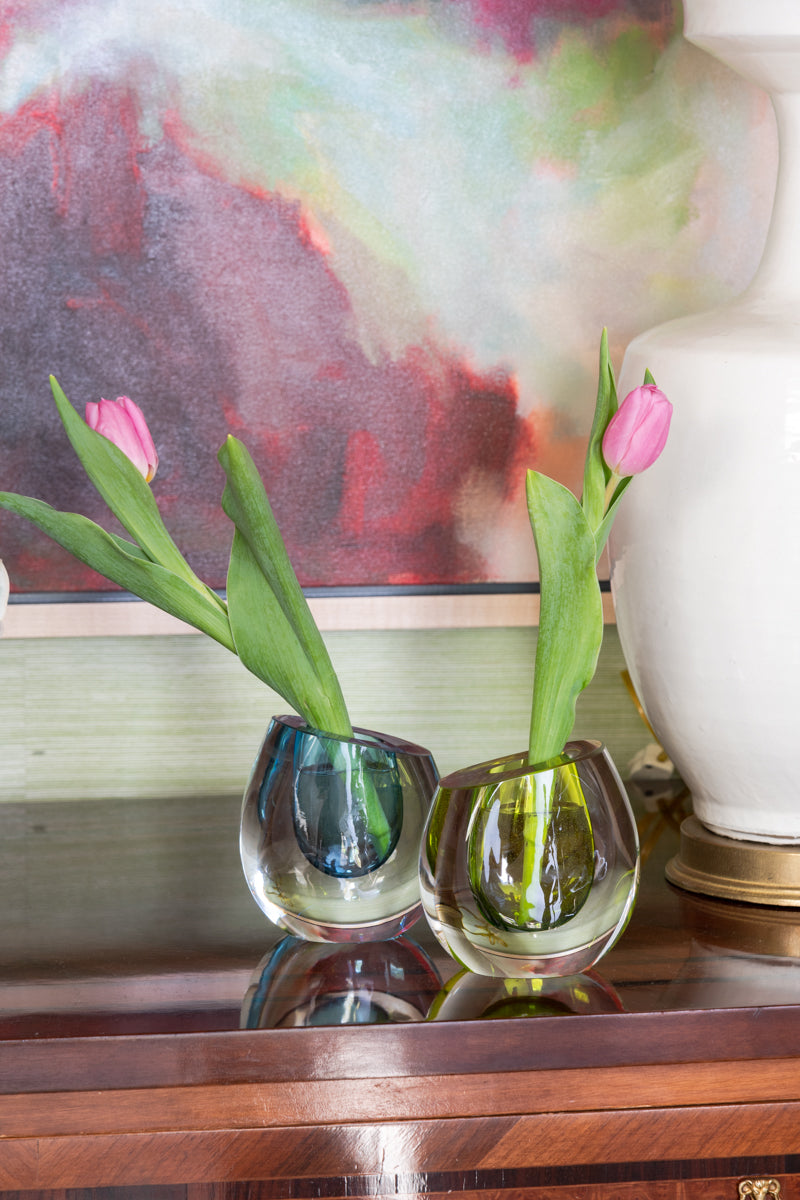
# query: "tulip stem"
611,487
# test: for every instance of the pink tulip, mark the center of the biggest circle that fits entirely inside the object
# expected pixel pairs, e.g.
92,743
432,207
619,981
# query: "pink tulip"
121,421
637,433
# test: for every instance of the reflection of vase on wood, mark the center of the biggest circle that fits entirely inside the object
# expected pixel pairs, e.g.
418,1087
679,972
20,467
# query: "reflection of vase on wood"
706,564
300,983
470,997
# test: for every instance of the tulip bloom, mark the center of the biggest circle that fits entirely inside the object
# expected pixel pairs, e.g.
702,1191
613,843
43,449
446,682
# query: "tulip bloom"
121,421
637,432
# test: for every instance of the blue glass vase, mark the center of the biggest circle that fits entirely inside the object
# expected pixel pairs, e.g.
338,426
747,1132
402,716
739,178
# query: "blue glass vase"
330,831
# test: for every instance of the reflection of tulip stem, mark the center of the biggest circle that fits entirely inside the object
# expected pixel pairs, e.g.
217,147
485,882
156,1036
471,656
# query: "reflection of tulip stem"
541,903
348,758
536,816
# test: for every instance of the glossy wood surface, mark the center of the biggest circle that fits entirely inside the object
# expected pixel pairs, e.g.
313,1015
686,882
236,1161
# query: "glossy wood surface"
129,956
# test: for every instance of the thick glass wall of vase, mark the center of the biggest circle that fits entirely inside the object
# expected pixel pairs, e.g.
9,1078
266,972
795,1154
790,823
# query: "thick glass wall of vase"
330,831
530,870
705,551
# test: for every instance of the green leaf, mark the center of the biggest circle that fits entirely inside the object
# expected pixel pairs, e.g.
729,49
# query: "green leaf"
129,547
571,613
125,565
246,503
596,472
125,492
267,644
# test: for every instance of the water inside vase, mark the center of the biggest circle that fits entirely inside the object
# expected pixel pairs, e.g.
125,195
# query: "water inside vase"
531,850
347,804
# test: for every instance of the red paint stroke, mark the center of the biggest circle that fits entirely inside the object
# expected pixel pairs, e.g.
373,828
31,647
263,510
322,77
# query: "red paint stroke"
109,200
40,120
364,473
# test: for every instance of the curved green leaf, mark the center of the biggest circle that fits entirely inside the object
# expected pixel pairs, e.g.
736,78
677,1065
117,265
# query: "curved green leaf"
267,644
571,613
246,503
125,565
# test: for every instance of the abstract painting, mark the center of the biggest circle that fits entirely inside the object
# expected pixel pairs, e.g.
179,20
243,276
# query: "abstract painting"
375,239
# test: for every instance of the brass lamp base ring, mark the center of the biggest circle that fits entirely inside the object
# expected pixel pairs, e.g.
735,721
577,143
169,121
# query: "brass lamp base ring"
753,872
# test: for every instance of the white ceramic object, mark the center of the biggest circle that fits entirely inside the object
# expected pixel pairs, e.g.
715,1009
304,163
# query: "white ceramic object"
706,549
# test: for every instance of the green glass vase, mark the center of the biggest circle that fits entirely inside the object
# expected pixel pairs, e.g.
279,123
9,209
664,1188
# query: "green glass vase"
530,870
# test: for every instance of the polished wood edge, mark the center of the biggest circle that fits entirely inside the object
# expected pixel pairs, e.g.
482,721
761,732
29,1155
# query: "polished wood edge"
402,1148
136,618
426,1097
443,1048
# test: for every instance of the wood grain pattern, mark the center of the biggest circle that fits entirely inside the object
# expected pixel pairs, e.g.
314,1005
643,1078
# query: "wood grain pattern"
403,1148
507,1185
425,1187
382,1100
